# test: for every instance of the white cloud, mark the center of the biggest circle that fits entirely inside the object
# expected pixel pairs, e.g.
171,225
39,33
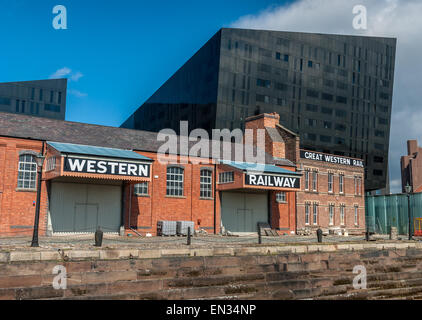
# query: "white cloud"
66,72
76,93
60,73
391,18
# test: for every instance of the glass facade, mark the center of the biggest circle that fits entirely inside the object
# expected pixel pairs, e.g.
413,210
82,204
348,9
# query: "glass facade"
335,91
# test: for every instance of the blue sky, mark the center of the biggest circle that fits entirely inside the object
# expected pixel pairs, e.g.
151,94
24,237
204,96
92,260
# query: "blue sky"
120,51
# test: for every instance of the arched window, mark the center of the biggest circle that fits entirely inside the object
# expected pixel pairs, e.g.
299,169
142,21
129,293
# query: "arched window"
27,171
205,185
175,181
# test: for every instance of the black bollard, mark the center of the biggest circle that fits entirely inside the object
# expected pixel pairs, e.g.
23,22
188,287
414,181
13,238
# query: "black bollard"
367,235
259,237
188,240
98,237
319,234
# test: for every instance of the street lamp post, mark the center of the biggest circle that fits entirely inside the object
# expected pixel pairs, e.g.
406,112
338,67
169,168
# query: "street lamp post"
408,193
39,159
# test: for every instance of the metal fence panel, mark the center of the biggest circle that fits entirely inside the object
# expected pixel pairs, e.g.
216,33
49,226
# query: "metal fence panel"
384,212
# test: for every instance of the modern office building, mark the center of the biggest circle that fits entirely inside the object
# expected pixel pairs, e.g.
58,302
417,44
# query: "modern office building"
335,91
42,98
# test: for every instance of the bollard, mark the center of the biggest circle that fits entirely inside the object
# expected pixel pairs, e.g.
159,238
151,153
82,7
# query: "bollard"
319,235
259,237
188,240
367,235
98,237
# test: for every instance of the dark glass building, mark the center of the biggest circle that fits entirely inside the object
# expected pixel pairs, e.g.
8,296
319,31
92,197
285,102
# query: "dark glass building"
42,98
334,90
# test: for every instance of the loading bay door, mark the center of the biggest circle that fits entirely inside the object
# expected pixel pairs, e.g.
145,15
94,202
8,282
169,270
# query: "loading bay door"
81,208
240,211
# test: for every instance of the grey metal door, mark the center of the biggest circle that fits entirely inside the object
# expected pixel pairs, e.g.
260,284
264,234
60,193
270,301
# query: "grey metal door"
240,212
79,208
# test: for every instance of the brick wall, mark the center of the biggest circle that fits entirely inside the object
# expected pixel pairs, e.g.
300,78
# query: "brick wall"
349,198
17,207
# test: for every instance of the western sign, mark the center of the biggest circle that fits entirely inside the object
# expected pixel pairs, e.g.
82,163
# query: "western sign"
265,180
310,155
95,166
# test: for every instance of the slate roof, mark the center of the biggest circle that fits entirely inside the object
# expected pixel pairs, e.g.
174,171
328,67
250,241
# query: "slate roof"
78,149
268,168
44,129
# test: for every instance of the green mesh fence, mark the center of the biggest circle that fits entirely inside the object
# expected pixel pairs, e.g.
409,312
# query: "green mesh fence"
384,212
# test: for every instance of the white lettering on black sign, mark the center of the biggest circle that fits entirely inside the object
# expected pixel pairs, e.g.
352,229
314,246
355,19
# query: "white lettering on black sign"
106,167
331,159
272,181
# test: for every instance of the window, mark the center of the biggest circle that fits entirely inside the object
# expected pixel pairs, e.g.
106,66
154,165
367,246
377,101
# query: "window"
51,164
311,107
330,182
307,213
174,181
312,93
264,67
378,172
342,214
327,96
51,96
311,136
341,183
225,177
341,99
5,101
59,98
326,110
358,186
341,113
262,98
141,189
306,179
327,124
339,140
314,180
309,64
356,215
315,214
51,107
331,214
340,127
205,184
27,171
280,197
323,138
278,55
41,95
263,83
286,57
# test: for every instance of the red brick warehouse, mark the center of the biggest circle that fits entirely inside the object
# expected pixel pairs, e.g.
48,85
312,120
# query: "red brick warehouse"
111,177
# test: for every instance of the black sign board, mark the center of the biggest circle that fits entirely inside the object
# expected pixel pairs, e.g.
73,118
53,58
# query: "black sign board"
311,155
266,180
96,166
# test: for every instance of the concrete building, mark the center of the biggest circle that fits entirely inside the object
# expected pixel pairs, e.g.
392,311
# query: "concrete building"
335,91
41,98
411,167
125,184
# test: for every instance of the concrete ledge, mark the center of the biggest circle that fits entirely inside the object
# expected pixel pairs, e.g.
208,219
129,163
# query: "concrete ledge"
24,256
83,254
50,256
149,254
4,256
116,254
